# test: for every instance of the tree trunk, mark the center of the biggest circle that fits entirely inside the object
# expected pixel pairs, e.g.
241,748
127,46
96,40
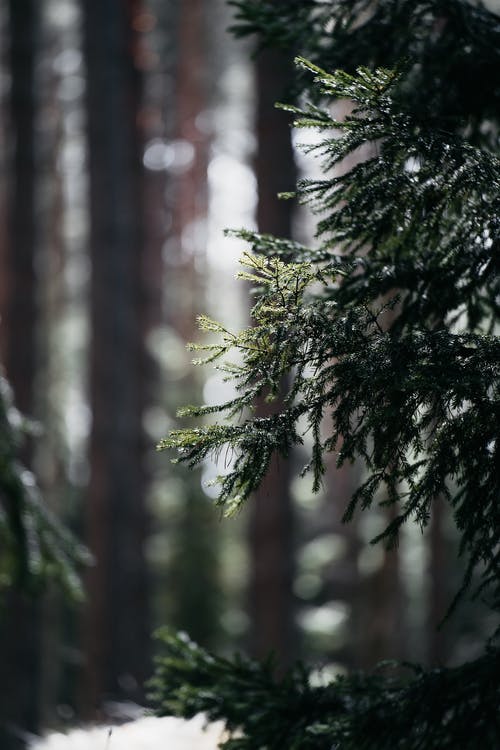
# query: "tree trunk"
188,182
194,566
383,618
117,623
343,577
437,577
19,616
271,603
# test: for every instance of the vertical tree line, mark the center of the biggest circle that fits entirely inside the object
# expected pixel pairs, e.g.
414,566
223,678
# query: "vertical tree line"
192,572
271,521
116,623
19,615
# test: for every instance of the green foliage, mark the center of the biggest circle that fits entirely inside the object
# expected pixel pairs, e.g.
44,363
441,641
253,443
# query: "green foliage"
387,331
443,710
409,384
33,544
449,45
193,569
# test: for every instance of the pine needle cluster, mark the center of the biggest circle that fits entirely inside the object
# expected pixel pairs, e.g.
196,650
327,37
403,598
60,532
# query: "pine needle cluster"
387,332
444,709
34,546
391,348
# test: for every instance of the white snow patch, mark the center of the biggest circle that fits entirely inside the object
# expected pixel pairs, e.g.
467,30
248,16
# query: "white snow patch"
149,733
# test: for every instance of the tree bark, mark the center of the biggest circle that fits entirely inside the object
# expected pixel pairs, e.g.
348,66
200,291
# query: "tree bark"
19,615
437,577
194,565
117,623
271,602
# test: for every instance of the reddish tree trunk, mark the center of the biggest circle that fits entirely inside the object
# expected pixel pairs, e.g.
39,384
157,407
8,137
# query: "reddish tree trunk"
188,184
193,569
117,623
271,603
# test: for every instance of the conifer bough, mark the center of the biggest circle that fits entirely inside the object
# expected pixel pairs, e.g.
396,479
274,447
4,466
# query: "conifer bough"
411,384
34,546
388,332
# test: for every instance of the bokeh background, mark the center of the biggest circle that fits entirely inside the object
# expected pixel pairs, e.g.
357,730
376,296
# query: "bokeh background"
133,132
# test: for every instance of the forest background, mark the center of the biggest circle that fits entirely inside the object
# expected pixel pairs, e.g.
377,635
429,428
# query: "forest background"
131,134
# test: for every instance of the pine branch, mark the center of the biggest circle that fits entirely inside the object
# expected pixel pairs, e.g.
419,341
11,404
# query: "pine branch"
408,385
442,710
34,546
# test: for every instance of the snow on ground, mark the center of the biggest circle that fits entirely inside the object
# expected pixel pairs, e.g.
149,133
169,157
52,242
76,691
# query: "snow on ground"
149,733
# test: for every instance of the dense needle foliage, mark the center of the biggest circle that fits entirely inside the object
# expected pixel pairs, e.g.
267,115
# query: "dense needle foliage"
409,383
452,48
444,709
388,332
33,544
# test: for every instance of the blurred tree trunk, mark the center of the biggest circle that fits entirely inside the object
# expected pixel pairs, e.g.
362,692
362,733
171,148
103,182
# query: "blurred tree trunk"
188,178
117,623
194,566
343,577
383,612
19,305
271,603
383,601
51,370
438,575
19,616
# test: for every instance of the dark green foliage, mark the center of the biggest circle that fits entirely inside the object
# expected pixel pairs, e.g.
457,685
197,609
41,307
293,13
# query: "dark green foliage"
441,710
387,329
191,585
410,384
33,545
450,46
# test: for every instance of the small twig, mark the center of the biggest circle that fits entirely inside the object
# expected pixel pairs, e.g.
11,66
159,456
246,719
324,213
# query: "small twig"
108,738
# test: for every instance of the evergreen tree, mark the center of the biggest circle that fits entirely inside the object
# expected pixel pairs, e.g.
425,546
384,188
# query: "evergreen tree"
387,332
19,627
33,544
35,548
